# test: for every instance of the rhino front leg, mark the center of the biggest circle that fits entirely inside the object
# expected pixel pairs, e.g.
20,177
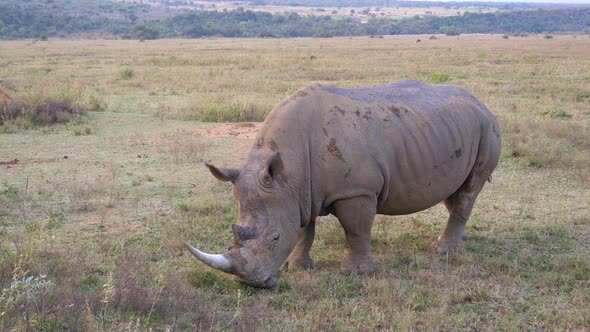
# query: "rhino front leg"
356,216
299,258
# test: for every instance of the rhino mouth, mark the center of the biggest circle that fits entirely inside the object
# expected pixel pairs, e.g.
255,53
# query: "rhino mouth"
269,281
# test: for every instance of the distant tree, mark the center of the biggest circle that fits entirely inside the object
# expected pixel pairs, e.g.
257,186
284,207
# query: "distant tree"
450,31
144,32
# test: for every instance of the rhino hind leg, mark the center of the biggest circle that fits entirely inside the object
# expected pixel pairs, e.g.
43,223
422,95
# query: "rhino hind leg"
460,205
356,216
299,257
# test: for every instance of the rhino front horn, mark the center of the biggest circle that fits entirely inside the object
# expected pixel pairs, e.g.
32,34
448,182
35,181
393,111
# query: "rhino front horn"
220,262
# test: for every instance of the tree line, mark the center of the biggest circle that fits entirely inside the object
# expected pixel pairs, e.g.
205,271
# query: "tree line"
19,22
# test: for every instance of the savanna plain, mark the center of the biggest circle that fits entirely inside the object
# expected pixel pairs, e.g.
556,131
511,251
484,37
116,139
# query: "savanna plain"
94,207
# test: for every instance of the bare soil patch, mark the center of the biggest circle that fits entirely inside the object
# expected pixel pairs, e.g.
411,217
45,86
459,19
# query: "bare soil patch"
238,130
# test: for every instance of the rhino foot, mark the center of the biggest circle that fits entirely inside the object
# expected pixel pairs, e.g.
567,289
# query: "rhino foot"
351,265
450,245
300,264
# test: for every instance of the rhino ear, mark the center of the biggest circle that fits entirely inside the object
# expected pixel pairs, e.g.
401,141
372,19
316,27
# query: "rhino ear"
273,166
223,174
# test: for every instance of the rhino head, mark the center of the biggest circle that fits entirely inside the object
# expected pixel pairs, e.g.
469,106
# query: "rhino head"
268,221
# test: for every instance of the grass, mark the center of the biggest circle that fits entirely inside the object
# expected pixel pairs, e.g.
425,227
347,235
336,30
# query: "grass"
93,214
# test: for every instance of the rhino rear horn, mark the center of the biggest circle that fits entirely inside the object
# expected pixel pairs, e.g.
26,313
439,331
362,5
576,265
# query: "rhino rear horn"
243,233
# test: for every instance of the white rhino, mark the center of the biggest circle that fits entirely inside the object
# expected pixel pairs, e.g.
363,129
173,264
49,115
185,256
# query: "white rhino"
392,149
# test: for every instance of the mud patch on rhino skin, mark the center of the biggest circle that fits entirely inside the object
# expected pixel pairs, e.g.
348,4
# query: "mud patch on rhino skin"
397,110
495,130
457,154
334,150
357,112
394,110
252,208
347,173
284,103
368,115
325,131
273,145
298,94
339,109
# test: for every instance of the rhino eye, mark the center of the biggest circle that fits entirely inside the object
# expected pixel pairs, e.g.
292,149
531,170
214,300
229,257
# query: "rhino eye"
276,237
265,181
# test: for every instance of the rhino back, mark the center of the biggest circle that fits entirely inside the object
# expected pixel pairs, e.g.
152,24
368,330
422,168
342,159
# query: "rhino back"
412,94
409,143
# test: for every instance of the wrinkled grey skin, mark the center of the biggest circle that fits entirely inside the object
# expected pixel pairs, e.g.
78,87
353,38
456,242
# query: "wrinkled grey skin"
392,149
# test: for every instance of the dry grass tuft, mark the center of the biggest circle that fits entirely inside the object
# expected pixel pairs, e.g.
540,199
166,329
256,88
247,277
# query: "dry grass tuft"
549,143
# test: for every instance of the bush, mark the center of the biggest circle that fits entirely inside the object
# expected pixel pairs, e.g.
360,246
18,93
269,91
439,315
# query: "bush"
40,113
54,111
48,105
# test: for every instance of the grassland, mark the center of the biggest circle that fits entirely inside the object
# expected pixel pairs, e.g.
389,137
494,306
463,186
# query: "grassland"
91,221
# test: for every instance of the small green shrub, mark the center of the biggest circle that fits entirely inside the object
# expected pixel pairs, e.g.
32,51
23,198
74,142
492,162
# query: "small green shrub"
82,130
126,74
438,77
582,96
557,114
532,59
228,111
548,36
